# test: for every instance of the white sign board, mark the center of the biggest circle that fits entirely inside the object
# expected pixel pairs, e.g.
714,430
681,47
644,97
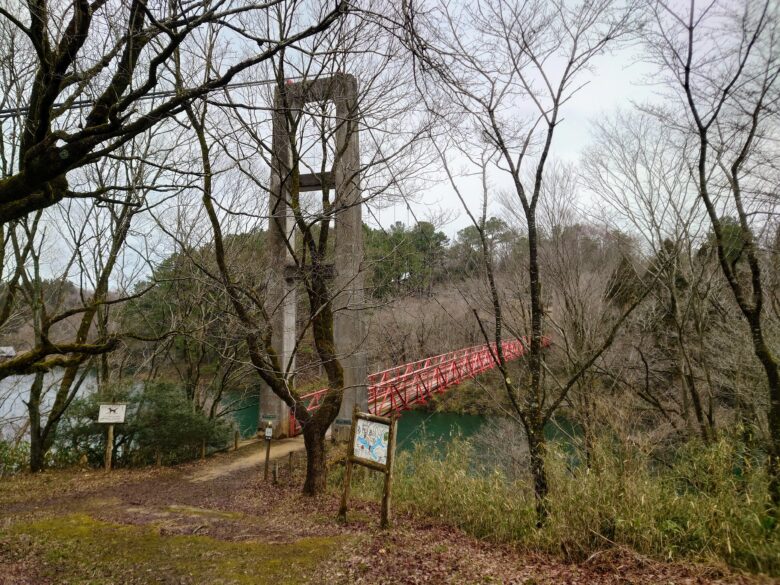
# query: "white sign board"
112,413
371,441
269,433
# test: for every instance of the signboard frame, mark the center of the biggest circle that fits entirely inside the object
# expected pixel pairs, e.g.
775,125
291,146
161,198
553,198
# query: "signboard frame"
110,428
386,468
123,406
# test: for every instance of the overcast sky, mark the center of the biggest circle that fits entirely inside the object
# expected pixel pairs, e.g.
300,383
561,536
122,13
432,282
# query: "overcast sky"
617,81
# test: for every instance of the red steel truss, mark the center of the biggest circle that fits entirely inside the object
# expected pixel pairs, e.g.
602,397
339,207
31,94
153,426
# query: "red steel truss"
402,387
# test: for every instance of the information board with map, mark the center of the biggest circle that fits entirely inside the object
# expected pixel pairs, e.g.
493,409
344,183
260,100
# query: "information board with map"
372,445
371,441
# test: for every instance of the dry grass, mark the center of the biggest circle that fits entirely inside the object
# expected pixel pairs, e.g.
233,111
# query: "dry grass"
710,505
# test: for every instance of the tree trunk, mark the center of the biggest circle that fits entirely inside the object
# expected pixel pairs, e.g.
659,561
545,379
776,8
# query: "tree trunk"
698,410
773,418
37,449
37,453
41,439
536,449
316,468
535,356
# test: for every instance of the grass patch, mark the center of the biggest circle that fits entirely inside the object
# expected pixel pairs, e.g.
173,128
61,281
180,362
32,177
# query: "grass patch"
77,549
204,512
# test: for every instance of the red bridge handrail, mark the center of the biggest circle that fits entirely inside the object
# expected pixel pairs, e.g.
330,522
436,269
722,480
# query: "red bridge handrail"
401,387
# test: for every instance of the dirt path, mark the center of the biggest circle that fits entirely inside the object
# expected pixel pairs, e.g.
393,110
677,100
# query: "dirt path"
252,455
219,522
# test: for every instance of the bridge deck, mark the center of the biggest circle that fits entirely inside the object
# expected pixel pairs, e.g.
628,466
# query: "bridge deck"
402,387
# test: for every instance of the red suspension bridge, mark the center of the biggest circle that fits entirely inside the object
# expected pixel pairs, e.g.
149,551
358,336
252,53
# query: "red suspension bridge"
402,387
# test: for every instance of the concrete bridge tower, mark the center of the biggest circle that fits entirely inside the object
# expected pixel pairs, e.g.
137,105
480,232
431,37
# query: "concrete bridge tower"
347,284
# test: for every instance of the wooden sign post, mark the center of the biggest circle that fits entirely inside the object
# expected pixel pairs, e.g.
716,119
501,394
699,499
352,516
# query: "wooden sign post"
269,433
111,414
371,444
109,447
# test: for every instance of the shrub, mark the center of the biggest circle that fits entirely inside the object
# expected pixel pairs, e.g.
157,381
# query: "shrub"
13,457
160,420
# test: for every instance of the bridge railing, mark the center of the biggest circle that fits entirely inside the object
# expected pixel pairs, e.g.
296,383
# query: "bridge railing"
313,400
402,387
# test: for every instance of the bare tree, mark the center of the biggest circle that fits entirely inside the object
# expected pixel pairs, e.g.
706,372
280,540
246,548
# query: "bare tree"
98,83
68,259
640,171
233,134
726,86
509,69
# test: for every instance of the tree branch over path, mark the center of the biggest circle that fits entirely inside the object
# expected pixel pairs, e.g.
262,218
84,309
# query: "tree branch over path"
48,150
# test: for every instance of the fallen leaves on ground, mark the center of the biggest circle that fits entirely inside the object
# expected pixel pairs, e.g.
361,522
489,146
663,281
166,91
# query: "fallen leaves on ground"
243,510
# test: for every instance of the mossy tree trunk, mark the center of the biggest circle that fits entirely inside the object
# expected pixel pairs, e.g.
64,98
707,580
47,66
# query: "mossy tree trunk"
536,451
38,447
316,464
250,309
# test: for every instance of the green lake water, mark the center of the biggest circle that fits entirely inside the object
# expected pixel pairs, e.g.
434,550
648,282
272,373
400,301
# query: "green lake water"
246,414
440,427
413,426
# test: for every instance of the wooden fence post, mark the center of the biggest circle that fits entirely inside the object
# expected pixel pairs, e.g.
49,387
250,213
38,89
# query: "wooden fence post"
385,521
348,469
